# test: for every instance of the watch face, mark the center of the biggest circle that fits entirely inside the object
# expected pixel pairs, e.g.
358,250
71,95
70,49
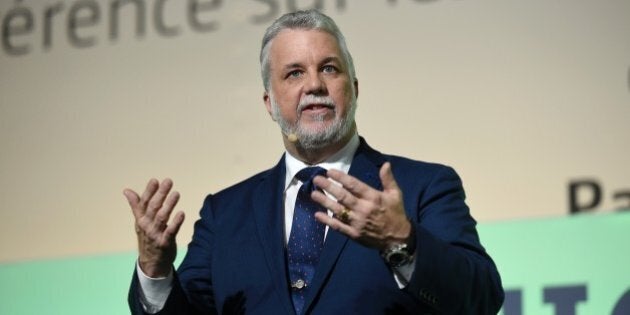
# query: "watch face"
396,259
397,255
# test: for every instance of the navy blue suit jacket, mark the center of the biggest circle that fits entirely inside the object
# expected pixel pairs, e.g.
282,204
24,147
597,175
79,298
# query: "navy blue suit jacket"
236,262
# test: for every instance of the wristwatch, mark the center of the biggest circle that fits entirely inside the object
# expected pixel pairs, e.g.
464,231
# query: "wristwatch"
397,255
400,254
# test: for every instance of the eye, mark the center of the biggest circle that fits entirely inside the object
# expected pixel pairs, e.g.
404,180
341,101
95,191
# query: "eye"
294,74
329,69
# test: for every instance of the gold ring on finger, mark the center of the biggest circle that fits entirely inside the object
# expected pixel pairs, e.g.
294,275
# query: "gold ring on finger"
344,215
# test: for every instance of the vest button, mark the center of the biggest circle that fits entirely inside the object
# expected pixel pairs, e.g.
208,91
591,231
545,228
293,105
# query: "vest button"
299,284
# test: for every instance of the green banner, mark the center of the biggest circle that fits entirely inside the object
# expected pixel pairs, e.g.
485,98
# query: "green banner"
563,266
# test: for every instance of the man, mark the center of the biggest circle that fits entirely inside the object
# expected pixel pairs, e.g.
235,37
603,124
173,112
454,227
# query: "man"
374,234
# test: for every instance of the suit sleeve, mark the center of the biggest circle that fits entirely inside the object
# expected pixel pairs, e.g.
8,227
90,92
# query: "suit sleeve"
453,273
192,284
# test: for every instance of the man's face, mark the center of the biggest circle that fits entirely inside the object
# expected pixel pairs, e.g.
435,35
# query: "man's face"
311,93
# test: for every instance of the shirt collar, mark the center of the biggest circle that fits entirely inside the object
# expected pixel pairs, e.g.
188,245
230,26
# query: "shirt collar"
339,161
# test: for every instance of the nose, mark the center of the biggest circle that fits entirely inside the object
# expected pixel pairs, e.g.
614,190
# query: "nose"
315,84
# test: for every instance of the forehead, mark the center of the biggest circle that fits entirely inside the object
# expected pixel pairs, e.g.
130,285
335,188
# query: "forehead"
299,46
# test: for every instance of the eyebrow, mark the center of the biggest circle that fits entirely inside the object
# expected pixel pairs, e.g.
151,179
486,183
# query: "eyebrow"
324,61
331,58
292,66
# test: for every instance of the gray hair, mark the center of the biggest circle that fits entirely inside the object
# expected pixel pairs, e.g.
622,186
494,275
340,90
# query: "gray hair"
306,20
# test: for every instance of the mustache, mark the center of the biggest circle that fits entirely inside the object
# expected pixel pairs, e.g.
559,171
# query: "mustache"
314,99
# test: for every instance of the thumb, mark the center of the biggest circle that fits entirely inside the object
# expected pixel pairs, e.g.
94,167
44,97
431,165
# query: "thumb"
387,177
133,199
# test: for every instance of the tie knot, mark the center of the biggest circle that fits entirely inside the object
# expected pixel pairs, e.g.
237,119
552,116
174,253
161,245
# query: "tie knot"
307,174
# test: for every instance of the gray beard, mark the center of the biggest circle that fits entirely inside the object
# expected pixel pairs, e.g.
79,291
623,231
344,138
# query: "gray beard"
314,140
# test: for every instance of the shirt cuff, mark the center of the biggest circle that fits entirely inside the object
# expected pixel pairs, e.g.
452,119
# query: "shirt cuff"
403,274
154,291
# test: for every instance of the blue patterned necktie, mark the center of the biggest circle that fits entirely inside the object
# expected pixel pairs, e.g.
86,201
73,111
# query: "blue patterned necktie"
307,237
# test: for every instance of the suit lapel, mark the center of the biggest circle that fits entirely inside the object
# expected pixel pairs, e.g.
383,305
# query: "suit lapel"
365,166
269,216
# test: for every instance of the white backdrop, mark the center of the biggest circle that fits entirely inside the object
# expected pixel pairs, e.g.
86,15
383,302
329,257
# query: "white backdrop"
521,97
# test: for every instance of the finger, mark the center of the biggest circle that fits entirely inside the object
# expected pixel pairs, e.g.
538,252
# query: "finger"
340,193
161,217
337,225
133,199
171,231
158,198
327,202
352,184
152,187
387,177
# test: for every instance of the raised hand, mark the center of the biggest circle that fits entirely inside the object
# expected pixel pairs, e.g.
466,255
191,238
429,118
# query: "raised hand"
373,218
156,237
